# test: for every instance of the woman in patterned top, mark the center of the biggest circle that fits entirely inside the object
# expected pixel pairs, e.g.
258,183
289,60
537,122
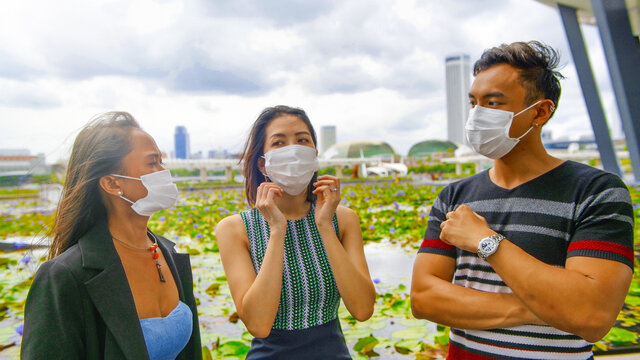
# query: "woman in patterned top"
292,256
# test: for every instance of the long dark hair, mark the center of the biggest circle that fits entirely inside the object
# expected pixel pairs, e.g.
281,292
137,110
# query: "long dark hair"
253,149
97,151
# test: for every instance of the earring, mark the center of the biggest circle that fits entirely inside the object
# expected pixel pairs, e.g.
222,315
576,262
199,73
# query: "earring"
119,192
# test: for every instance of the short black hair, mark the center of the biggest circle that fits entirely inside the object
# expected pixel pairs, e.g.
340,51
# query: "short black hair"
537,63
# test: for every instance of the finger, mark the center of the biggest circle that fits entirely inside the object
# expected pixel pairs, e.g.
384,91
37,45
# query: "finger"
327,177
330,183
448,215
443,237
442,225
331,186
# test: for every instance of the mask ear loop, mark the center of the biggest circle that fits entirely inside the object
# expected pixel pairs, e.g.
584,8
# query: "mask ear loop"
120,192
532,126
529,107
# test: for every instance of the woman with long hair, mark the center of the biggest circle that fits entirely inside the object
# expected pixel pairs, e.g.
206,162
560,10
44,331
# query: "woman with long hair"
112,289
296,252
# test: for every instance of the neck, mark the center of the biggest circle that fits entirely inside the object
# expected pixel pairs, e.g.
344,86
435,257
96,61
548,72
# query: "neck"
128,228
293,206
525,162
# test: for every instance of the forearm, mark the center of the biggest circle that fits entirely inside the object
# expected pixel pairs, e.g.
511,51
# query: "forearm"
566,299
356,289
448,304
260,302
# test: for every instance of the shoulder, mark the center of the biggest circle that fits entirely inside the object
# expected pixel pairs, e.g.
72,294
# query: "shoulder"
345,213
230,223
590,175
347,217
230,229
596,183
472,183
69,262
61,273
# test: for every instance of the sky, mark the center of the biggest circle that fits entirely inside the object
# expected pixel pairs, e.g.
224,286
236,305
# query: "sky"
373,68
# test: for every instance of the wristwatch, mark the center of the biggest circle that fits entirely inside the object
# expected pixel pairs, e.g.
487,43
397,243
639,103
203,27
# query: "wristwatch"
489,245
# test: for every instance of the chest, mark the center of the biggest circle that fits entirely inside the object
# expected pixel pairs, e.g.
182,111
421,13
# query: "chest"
152,297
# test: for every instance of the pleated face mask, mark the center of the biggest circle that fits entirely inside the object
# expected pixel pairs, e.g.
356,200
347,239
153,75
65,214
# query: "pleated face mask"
162,193
488,131
291,167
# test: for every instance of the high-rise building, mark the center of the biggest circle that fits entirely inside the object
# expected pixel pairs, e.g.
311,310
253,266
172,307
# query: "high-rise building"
458,71
181,141
327,137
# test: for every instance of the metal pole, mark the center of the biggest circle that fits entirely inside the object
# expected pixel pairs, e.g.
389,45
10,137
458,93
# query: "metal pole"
589,89
623,57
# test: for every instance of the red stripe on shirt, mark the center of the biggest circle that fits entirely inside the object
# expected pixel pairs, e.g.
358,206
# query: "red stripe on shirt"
436,243
601,246
456,353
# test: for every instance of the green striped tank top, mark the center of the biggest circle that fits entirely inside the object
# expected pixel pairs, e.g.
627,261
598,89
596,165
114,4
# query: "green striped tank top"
309,295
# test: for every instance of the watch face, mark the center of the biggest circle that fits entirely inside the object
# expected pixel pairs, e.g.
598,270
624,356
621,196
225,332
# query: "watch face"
488,246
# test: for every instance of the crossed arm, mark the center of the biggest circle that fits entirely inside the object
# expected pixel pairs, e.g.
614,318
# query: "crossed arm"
583,298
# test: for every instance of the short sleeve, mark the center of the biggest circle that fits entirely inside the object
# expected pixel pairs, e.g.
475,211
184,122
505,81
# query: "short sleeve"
431,242
604,226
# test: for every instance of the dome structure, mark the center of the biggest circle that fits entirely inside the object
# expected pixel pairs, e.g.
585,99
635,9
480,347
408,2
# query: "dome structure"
357,149
429,147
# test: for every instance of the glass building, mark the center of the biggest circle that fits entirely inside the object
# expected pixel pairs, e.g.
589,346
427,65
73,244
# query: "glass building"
181,141
458,74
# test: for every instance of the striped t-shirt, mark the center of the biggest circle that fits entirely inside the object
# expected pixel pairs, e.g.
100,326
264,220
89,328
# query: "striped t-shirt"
572,210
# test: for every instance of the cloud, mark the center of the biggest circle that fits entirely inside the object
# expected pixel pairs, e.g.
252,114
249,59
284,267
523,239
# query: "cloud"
373,68
202,79
282,12
21,95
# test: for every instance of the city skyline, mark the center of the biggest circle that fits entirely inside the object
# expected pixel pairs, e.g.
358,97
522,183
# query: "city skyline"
375,70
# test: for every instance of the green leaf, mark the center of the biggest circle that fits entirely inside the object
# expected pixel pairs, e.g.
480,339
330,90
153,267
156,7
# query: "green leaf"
409,346
233,348
206,354
620,336
366,344
416,332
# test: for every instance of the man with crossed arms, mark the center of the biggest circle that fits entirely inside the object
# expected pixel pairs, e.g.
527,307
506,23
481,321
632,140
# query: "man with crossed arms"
533,258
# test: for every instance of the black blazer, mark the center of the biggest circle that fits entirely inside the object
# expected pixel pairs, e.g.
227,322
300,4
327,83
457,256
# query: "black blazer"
80,305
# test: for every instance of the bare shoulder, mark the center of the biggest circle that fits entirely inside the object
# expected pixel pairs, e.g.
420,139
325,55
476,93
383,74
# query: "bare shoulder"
230,229
346,215
348,223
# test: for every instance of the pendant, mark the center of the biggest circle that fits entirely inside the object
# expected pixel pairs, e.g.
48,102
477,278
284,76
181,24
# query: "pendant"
160,272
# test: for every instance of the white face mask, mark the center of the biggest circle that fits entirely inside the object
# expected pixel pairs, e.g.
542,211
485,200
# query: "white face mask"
291,167
488,131
162,193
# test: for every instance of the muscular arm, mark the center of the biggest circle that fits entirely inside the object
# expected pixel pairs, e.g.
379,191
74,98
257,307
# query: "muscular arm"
256,296
435,298
348,263
584,298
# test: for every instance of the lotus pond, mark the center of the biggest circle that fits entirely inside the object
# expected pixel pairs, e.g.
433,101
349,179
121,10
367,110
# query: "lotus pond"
393,219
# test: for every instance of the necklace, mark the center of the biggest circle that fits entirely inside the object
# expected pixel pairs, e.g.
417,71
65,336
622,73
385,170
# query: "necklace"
153,249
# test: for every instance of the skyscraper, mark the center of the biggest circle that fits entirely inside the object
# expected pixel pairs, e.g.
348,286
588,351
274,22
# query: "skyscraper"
327,137
458,71
181,141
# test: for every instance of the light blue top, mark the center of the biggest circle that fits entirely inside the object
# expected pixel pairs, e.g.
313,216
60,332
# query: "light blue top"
167,336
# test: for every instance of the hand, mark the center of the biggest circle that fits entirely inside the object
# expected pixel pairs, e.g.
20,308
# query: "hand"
327,188
464,229
265,202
